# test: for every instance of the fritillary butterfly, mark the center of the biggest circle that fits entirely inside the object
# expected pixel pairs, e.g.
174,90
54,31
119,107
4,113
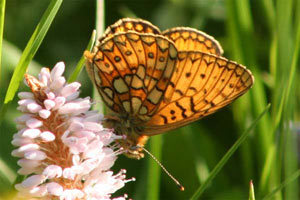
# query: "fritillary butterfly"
155,81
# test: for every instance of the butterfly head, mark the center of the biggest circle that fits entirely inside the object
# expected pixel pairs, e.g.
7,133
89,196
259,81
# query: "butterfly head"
134,150
133,141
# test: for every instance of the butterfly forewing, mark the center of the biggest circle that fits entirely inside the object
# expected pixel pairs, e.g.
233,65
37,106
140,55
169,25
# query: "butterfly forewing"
189,39
132,70
203,84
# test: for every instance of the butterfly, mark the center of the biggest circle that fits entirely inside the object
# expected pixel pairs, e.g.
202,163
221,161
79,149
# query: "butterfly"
155,81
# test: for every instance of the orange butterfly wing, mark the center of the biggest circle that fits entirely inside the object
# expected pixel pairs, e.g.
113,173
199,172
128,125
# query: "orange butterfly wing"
131,72
201,84
129,24
190,39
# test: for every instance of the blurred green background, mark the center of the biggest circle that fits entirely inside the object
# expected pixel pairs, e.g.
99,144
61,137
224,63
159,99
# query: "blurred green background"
260,34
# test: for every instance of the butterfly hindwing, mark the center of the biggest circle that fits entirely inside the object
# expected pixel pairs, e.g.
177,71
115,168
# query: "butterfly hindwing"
202,84
190,39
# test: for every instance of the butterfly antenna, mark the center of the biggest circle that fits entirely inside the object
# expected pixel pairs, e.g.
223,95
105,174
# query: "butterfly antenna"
168,173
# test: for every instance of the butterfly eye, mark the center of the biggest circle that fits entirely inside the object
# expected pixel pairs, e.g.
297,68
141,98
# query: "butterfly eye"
138,129
134,148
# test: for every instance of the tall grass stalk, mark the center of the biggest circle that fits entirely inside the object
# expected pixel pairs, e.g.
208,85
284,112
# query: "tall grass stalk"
2,17
100,26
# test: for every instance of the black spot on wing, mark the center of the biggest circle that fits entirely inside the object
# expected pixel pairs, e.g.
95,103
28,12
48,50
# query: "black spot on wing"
182,109
192,105
117,58
179,92
164,118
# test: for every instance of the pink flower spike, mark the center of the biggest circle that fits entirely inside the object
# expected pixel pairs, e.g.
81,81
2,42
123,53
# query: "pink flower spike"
57,83
50,95
25,95
59,101
69,173
35,155
72,96
87,134
76,145
44,76
49,104
54,189
18,141
76,126
93,117
57,70
27,170
31,133
62,145
34,123
44,113
25,102
39,191
28,163
53,171
33,181
34,107
72,194
47,136
70,89
28,147
91,126
23,118
69,108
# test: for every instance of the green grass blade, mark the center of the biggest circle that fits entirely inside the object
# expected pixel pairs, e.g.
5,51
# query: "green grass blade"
283,51
289,180
228,154
154,169
29,52
287,89
2,16
284,108
100,25
251,191
267,168
100,17
81,62
241,30
269,12
7,175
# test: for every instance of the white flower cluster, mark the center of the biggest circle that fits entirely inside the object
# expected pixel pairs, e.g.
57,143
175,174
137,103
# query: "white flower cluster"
63,148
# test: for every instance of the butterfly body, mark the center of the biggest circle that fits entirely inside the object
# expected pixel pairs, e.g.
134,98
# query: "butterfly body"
132,130
153,82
